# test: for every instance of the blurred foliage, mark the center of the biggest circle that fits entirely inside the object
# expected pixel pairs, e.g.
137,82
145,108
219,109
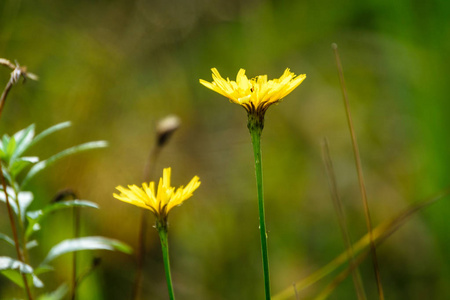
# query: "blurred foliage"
115,67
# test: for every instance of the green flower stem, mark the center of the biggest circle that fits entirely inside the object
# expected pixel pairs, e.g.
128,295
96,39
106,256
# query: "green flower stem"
162,230
255,125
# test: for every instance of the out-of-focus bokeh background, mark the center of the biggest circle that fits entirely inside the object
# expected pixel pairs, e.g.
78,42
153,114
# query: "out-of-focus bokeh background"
114,68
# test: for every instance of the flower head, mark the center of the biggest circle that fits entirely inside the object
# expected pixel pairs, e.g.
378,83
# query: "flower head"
159,202
255,94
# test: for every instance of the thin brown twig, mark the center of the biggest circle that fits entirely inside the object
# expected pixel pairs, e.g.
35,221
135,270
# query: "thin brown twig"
15,235
149,170
341,219
20,257
360,173
4,95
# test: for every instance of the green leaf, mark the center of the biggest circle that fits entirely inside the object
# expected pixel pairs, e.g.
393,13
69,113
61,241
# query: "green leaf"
10,148
12,269
35,217
58,294
11,198
25,199
23,140
43,269
50,161
47,132
8,263
14,276
6,174
4,145
32,244
6,238
20,163
86,243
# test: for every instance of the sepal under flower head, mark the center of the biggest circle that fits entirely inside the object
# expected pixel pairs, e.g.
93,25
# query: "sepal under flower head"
159,201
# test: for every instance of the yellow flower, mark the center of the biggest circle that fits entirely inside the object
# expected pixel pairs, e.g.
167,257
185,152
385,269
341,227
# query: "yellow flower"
159,202
255,94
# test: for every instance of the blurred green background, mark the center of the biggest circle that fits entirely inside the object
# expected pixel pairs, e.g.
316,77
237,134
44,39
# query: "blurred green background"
114,68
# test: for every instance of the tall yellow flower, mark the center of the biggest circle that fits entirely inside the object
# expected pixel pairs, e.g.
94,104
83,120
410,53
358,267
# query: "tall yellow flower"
159,202
255,94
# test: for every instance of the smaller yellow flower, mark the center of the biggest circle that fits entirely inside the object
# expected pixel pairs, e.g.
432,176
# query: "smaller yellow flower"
255,94
159,202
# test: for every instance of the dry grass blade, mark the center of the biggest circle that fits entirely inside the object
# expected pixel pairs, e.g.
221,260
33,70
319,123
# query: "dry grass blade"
356,276
341,277
380,233
362,186
297,296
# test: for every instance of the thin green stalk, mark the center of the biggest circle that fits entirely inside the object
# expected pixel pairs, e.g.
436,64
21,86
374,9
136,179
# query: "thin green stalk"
255,133
162,230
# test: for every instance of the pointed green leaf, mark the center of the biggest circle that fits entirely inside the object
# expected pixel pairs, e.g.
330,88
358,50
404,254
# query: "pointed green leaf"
8,263
32,244
6,174
6,238
86,243
14,276
35,217
55,295
20,163
25,199
50,161
10,149
5,143
48,131
43,269
23,139
12,269
11,198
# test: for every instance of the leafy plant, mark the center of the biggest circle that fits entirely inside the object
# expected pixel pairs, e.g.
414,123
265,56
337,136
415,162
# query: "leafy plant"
16,165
